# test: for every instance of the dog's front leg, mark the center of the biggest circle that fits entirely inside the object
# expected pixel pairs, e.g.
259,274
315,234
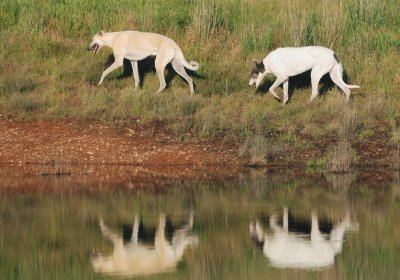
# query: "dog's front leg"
279,80
136,76
114,66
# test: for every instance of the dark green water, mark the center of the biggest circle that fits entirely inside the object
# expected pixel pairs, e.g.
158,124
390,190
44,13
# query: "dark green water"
256,225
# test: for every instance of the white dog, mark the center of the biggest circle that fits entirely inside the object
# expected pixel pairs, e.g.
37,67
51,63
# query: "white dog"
136,258
291,250
135,45
287,62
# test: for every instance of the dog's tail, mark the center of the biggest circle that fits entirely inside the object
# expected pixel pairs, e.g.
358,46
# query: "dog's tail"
192,65
341,77
339,70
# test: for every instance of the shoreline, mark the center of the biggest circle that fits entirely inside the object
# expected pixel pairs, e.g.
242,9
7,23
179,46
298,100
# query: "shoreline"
65,146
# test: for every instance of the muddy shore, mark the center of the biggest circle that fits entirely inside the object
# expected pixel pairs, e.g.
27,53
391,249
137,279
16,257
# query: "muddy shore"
57,148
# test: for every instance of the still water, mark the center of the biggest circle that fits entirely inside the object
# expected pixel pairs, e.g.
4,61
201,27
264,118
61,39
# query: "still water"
254,225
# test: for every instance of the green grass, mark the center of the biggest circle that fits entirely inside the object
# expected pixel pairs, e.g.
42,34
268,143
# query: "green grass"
46,72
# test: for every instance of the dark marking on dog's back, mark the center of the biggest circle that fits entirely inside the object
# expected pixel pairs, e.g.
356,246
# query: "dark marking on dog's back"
336,57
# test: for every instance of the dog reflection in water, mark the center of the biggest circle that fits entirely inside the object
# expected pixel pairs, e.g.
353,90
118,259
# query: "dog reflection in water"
285,249
135,258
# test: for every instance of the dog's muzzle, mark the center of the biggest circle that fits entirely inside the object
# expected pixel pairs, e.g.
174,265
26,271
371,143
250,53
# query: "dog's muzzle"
94,48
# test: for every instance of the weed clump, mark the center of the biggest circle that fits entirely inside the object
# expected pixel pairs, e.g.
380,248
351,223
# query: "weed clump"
342,156
256,149
339,158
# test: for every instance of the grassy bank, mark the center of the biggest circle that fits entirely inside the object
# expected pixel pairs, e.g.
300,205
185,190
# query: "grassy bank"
46,72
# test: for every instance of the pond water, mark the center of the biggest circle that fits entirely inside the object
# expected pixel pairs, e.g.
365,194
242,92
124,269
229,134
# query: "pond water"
254,225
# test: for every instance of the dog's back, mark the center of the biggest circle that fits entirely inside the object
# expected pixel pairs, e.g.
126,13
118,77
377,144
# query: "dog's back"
142,41
293,61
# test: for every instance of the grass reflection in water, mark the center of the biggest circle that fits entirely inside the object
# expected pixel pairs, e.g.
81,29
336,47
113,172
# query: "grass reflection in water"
204,225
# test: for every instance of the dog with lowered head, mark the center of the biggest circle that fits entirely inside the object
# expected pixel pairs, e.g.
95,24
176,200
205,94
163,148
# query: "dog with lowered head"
287,62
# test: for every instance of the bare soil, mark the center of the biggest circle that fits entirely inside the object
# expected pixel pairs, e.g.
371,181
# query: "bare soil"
65,147
42,156
74,142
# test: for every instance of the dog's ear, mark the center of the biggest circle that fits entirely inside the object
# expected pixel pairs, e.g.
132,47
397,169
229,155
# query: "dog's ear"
101,32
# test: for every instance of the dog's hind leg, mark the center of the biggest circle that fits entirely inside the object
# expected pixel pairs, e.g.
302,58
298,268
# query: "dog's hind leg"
159,239
108,233
285,225
135,71
180,69
117,63
135,231
164,56
316,235
316,75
